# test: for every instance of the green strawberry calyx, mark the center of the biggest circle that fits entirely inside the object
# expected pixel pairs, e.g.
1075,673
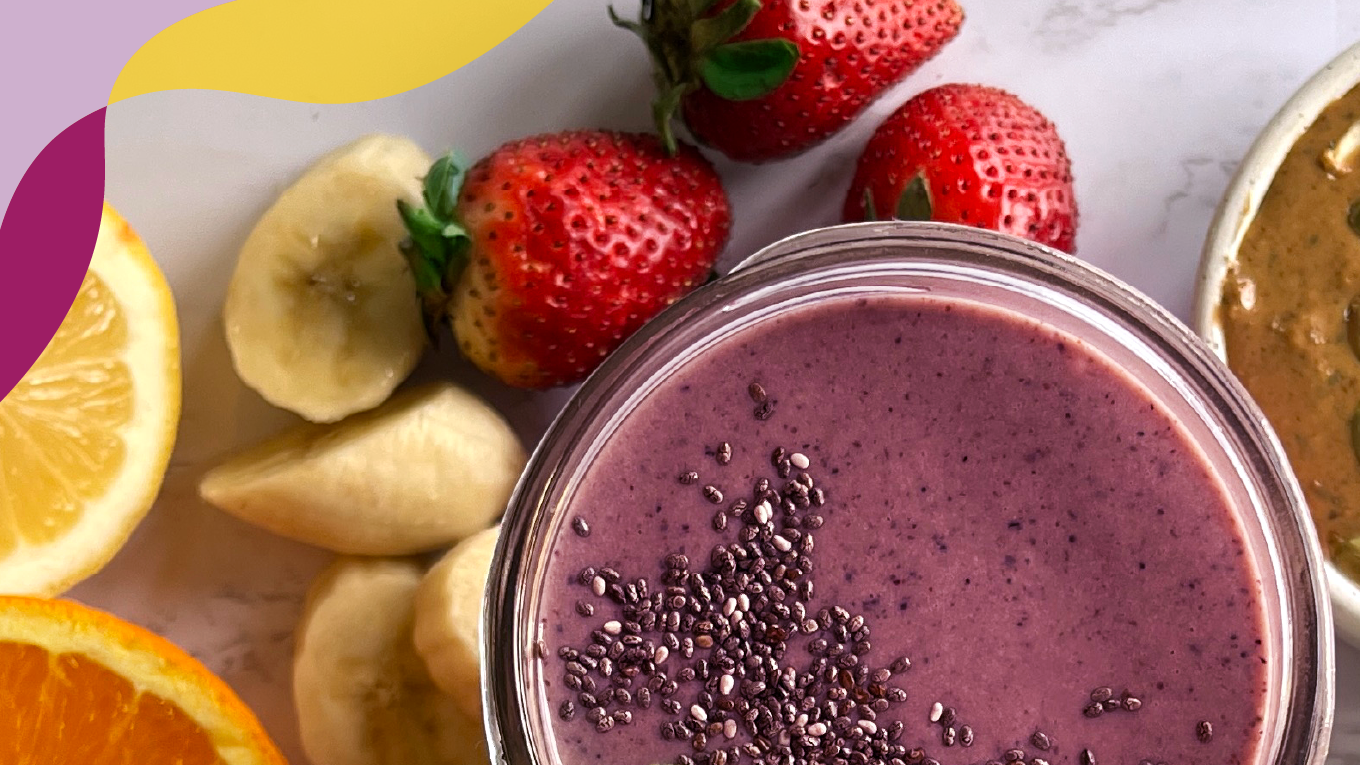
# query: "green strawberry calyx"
691,48
437,244
914,203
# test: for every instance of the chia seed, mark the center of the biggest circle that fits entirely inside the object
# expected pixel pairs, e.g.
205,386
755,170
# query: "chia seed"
757,393
723,454
1204,731
1040,741
1086,757
580,526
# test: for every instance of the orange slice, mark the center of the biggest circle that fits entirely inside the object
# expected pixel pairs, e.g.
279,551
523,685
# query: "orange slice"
80,686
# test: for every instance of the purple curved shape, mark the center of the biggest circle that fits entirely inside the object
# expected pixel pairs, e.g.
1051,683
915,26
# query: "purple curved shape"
46,239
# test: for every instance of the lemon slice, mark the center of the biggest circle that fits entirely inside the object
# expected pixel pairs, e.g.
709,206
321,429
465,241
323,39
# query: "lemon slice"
85,436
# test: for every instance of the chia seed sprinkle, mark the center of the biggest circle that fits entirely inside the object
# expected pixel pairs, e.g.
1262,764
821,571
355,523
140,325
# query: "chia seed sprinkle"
1093,709
1086,757
1204,731
580,526
719,642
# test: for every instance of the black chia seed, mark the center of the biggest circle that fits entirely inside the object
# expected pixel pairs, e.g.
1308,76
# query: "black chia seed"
1040,741
580,526
723,454
1086,757
1204,731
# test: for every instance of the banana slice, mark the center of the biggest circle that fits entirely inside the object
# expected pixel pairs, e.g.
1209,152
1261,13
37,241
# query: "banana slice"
428,468
449,617
363,696
322,315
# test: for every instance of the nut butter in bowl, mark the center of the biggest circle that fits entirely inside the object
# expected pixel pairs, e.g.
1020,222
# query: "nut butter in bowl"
1279,302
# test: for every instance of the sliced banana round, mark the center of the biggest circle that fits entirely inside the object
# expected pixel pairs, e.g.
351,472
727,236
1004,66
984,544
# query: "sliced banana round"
428,468
449,618
322,315
362,695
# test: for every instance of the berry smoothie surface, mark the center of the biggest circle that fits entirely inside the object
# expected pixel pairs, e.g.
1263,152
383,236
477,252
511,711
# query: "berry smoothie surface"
902,530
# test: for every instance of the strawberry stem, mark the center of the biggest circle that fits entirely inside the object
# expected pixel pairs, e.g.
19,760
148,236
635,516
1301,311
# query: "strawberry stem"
691,48
437,244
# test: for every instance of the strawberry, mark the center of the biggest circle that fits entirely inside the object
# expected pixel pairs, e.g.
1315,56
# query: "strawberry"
968,154
764,80
555,248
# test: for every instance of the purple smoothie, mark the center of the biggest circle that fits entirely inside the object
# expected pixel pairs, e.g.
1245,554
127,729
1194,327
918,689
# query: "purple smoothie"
1003,507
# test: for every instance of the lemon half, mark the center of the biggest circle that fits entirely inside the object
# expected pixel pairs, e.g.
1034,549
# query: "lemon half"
86,435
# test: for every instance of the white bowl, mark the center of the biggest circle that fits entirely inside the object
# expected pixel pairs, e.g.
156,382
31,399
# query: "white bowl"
1231,222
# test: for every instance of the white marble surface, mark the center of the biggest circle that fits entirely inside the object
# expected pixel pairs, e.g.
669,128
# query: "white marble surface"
1157,100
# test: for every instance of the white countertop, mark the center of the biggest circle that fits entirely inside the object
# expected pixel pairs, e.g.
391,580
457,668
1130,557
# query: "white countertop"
1157,100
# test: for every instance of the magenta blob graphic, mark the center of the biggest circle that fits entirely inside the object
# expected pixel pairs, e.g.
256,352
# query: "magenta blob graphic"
46,239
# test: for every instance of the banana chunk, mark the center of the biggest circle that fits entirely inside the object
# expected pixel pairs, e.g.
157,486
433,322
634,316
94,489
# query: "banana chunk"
449,618
322,316
362,695
428,468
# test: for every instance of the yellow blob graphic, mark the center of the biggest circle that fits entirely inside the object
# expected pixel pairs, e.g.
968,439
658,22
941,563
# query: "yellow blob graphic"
321,51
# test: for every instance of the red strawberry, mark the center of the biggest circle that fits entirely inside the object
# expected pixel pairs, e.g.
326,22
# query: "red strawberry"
555,248
763,80
969,154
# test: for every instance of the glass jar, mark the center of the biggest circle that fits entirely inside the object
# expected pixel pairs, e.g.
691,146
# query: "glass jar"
952,262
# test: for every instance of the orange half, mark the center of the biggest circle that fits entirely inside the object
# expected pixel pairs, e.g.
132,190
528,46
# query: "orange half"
80,686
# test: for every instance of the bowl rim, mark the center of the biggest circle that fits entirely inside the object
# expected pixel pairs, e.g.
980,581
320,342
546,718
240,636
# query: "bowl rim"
1231,220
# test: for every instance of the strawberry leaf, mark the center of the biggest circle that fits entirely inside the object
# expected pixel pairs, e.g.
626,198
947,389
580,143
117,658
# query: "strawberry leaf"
442,184
915,201
709,33
867,202
437,244
747,70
